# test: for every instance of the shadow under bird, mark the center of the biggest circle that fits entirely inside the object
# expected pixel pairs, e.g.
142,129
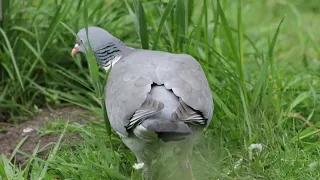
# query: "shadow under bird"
157,102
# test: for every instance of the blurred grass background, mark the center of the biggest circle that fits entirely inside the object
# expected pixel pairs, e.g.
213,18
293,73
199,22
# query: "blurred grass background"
264,77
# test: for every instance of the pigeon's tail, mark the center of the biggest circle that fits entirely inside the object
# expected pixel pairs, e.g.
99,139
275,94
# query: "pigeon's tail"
161,123
167,130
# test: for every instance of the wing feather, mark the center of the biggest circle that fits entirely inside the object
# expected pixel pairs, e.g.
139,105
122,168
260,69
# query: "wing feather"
148,108
186,114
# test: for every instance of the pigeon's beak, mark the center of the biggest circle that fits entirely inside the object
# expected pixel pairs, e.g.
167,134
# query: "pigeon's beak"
75,50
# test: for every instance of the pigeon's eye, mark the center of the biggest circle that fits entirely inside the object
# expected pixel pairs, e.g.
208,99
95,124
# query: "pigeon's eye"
81,41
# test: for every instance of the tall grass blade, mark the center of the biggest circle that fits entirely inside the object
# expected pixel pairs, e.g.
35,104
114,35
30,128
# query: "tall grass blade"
298,100
142,22
164,17
1,12
6,170
17,147
216,28
272,45
51,29
5,10
93,66
34,51
94,71
231,41
180,21
240,38
263,77
13,59
68,28
308,132
261,83
247,117
28,167
105,115
133,16
190,5
52,154
206,32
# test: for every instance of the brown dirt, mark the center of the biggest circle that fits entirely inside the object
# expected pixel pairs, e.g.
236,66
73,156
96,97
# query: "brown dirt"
13,135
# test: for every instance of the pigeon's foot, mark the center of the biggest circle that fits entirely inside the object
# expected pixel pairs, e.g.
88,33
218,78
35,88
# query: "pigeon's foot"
138,165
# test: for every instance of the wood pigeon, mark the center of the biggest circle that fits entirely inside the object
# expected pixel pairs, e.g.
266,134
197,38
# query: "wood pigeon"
156,101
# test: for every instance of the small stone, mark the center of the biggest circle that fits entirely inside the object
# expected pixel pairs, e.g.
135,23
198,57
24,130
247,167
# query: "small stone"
27,130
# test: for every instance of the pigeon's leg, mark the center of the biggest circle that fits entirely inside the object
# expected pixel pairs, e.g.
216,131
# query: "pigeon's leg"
137,146
145,165
187,146
187,166
147,173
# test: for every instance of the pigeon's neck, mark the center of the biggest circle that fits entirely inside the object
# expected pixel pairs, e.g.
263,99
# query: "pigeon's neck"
111,53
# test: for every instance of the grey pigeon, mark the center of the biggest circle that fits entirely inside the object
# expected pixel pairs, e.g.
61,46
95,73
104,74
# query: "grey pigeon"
156,101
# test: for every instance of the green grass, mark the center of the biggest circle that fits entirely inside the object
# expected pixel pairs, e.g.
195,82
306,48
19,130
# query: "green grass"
261,59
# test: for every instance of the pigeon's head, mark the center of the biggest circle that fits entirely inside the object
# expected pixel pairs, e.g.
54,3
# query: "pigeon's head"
105,47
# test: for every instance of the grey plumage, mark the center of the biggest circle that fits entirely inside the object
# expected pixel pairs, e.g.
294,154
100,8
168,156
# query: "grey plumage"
152,97
105,48
131,79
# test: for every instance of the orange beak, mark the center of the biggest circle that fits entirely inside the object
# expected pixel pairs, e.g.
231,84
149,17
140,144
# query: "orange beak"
75,50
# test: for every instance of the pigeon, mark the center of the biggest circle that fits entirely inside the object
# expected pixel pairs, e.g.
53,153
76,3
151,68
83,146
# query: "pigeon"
157,102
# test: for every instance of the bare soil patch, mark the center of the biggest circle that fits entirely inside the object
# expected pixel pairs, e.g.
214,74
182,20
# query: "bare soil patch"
13,135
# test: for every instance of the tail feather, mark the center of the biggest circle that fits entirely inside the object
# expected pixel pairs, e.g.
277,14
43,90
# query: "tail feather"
167,130
171,136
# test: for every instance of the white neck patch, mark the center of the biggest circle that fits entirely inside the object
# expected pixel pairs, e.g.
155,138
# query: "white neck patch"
112,62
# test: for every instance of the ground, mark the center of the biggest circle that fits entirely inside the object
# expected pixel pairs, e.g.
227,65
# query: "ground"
10,137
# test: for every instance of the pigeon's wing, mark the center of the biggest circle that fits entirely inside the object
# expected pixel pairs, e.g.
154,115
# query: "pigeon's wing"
127,98
130,80
187,80
187,114
149,107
